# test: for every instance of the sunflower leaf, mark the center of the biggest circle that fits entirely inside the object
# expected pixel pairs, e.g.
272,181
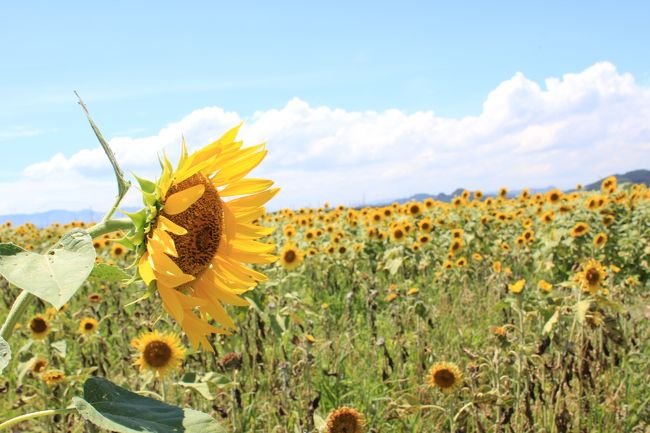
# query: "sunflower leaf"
114,408
106,272
54,276
5,354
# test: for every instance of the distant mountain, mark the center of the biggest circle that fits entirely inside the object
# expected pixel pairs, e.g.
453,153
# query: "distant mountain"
635,176
44,219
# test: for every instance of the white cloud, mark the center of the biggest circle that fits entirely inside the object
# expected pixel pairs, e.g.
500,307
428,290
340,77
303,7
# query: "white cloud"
573,129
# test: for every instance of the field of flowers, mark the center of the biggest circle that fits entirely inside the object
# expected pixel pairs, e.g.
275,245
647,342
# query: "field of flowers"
488,314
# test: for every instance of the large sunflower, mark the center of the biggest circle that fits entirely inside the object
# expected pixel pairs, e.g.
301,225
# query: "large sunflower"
193,245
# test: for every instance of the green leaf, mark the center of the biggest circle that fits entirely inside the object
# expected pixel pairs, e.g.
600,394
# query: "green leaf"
54,276
200,387
108,273
5,354
114,408
145,184
548,327
60,348
393,265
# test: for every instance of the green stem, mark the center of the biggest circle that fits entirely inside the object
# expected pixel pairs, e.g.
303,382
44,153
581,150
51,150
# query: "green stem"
26,417
17,309
108,226
122,184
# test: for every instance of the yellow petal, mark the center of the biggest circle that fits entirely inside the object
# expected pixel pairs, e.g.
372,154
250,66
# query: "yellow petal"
254,200
246,186
171,302
169,226
239,169
180,201
144,269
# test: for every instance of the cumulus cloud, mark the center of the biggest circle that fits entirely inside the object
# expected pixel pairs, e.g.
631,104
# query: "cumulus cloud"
573,129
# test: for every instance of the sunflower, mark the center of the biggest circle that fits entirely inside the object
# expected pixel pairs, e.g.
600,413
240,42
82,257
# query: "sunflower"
517,287
38,365
580,229
117,250
345,420
554,196
445,376
52,377
397,233
290,256
600,239
192,245
591,277
39,327
88,325
545,285
159,353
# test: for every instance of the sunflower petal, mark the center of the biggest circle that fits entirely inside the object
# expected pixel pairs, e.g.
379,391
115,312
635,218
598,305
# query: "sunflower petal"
246,186
180,201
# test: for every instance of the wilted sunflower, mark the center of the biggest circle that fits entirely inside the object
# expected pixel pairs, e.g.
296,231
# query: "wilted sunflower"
52,377
39,327
38,365
159,353
345,420
88,325
290,256
193,245
592,276
445,376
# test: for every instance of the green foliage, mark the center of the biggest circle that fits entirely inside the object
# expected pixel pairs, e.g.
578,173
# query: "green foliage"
117,409
54,276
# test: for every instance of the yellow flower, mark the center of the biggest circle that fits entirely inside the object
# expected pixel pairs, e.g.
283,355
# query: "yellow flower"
413,291
39,327
496,266
196,244
290,256
345,420
391,297
52,377
580,229
38,365
600,239
545,285
88,325
159,353
444,376
517,287
591,277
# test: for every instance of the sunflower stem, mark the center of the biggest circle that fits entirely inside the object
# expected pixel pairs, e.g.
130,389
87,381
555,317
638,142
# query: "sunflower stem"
17,309
28,416
108,226
122,184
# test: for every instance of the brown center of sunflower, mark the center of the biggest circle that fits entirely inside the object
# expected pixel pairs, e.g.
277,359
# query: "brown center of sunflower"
592,276
290,256
38,325
398,234
157,354
39,366
344,423
88,326
204,224
444,378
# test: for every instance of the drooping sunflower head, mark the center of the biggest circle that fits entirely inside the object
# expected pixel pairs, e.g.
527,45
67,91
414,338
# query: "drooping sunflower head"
159,353
88,325
39,327
345,420
192,246
445,376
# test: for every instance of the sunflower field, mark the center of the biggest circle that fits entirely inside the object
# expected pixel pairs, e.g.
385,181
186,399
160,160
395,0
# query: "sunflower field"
500,313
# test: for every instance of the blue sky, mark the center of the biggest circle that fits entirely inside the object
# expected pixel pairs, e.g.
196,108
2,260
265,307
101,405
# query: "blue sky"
143,65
